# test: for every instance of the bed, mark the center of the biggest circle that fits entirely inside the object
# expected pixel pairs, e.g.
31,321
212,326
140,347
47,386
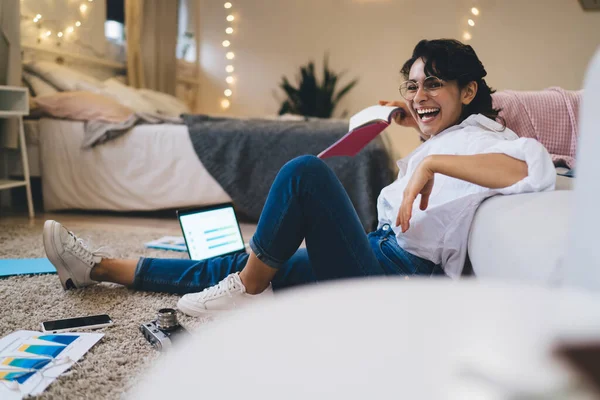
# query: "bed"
155,166
126,174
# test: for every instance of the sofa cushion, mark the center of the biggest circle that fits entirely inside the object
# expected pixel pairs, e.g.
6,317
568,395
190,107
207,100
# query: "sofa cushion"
520,237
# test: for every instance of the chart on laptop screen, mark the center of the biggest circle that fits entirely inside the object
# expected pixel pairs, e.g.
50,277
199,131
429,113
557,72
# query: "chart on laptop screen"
211,233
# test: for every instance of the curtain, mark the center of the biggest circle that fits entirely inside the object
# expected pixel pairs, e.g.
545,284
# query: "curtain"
151,44
10,63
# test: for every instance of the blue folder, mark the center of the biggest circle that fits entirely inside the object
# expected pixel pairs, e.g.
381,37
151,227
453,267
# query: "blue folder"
24,266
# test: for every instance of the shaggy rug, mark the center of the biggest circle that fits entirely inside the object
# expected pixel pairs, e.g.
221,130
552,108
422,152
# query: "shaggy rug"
111,367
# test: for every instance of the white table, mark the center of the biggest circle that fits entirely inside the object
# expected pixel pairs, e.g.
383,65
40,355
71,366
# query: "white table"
386,339
14,103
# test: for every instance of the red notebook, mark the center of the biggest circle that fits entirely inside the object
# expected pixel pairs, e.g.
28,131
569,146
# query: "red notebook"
364,127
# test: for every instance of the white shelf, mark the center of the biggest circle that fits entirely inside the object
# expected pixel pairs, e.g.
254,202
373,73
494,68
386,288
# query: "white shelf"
13,101
9,184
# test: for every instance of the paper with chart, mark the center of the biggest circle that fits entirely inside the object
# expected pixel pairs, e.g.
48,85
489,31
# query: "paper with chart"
30,360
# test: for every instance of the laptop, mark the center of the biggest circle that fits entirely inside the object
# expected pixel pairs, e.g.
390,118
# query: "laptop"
211,231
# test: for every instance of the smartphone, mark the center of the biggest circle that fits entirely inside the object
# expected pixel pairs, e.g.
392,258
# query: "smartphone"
75,324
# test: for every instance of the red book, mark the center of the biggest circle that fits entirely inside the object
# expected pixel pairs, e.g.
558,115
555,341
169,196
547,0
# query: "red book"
364,127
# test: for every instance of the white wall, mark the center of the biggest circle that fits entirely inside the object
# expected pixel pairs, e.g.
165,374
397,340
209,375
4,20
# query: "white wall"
524,44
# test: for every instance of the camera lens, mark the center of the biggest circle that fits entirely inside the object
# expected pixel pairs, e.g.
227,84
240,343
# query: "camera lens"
166,319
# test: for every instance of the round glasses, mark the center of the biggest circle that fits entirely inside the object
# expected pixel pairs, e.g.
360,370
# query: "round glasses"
431,85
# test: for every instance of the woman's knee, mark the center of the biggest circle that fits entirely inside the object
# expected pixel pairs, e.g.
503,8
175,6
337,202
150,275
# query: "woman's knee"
305,164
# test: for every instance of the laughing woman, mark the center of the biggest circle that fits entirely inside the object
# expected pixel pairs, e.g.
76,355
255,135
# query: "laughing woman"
424,216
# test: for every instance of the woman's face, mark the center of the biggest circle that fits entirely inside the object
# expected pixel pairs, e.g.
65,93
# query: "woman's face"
436,112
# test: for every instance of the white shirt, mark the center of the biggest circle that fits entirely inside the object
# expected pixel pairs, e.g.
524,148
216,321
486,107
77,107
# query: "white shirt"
440,233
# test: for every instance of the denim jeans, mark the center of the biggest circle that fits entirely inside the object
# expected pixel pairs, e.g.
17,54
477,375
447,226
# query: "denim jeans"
306,202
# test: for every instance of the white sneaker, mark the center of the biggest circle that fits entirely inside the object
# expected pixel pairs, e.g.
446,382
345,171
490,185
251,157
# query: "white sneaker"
69,255
227,295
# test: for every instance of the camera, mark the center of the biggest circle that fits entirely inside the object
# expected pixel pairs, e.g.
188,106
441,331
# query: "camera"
163,330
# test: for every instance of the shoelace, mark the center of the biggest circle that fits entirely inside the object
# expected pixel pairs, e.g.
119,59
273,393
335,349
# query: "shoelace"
226,286
81,250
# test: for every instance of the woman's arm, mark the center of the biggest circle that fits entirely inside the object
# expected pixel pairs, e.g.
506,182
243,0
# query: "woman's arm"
492,170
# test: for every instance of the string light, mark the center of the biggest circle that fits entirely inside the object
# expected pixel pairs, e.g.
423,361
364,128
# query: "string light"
467,36
226,103
471,22
83,7
475,11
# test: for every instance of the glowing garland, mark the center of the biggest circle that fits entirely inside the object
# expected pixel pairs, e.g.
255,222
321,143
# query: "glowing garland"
229,55
471,22
83,8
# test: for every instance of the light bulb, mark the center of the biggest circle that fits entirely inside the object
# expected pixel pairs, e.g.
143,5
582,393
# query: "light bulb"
70,29
38,16
227,5
59,34
228,92
78,23
35,20
83,8
230,18
48,33
229,79
230,55
466,36
229,30
226,43
225,103
229,68
471,22
475,11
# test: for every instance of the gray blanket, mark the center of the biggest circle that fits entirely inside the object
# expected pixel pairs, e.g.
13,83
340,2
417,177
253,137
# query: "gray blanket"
244,156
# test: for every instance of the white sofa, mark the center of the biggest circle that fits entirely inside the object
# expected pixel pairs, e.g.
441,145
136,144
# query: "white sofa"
522,237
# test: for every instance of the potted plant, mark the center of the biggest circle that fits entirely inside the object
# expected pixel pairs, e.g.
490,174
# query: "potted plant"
310,97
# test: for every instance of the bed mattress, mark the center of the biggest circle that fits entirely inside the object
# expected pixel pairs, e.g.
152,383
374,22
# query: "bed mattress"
151,167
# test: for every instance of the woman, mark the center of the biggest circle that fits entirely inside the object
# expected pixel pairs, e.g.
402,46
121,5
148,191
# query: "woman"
424,216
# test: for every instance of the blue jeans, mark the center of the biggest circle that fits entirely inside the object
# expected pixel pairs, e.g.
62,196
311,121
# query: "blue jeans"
306,202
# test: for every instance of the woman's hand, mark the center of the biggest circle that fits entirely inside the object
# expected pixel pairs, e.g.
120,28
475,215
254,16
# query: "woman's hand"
421,182
402,119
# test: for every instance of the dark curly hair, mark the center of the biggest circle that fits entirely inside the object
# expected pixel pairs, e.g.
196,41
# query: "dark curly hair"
452,60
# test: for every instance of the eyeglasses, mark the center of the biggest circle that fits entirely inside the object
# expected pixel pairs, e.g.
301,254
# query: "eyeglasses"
431,85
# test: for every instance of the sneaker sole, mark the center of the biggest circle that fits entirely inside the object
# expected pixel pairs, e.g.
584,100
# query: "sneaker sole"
61,268
188,309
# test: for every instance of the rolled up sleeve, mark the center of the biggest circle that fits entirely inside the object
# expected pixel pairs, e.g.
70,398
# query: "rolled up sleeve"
541,174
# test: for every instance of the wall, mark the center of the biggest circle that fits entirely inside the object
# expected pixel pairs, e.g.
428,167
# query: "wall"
525,45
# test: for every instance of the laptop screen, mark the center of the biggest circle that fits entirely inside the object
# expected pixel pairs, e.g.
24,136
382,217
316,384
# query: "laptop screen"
211,232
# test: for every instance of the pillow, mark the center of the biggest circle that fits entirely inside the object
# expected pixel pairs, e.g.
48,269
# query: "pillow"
61,77
165,103
83,106
127,96
38,86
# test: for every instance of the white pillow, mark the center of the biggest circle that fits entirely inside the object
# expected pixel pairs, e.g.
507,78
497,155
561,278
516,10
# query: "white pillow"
63,78
165,103
128,96
39,86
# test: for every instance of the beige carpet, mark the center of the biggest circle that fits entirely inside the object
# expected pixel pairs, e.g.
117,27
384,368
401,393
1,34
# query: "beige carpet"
112,366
